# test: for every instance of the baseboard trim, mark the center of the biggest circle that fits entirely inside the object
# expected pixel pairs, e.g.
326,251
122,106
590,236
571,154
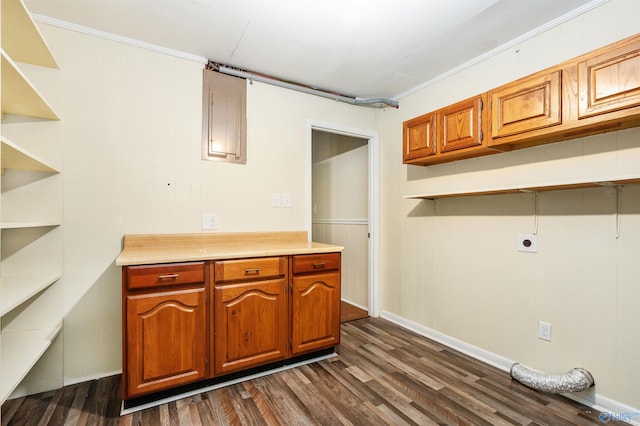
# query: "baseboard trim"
611,409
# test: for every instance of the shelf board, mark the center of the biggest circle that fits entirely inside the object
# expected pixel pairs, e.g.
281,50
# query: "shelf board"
19,96
555,187
16,290
21,38
19,225
21,350
14,157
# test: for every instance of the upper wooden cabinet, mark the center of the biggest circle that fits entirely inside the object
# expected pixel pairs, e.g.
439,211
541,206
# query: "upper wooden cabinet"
594,93
461,125
451,133
528,104
419,136
609,81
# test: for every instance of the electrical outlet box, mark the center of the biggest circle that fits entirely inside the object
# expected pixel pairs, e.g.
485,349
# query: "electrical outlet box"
209,221
528,243
544,331
286,200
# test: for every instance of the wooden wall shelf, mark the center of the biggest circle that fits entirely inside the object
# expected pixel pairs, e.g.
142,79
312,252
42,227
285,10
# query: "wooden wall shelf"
15,157
542,188
16,290
30,305
21,38
18,94
21,350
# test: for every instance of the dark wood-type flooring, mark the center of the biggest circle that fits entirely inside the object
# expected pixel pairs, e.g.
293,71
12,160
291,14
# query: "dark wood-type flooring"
349,312
384,374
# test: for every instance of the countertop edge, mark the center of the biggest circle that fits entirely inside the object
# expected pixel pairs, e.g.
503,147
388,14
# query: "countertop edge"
144,256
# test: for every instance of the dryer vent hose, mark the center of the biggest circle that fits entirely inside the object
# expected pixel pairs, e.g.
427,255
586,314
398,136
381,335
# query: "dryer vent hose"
576,380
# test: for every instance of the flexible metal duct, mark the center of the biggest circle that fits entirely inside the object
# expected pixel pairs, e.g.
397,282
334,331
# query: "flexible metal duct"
378,102
576,380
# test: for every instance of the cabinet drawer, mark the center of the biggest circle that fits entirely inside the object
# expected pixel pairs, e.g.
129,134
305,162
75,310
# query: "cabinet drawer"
316,262
247,269
146,276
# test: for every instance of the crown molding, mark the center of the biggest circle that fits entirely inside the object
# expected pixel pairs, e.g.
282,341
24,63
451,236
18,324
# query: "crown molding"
117,38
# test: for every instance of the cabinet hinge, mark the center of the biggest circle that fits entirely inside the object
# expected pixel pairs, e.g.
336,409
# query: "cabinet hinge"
206,363
481,135
481,105
290,343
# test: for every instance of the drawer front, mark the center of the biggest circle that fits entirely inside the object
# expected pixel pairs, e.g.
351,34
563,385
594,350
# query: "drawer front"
316,262
249,269
164,275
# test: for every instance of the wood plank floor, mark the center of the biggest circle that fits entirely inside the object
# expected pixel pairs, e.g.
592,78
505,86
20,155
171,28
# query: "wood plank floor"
349,312
384,374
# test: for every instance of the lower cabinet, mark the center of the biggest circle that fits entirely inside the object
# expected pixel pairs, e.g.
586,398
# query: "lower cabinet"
233,314
166,341
250,324
315,302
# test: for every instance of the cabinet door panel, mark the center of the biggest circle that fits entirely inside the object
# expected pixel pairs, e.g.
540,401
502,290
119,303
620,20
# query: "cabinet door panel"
461,125
315,312
419,135
166,339
250,324
526,105
609,81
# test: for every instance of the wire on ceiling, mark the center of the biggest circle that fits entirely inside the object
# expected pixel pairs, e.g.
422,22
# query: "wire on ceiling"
251,76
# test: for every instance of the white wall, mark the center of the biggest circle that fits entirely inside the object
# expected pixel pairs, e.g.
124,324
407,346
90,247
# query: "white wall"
131,134
451,265
340,186
131,129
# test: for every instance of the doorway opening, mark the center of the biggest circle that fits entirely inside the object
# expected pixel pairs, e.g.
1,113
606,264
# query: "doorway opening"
343,208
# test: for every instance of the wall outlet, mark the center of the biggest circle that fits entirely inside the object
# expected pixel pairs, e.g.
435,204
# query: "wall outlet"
544,331
209,221
528,243
286,200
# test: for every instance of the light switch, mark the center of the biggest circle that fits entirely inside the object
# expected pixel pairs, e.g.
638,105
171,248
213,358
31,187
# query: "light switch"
275,199
209,221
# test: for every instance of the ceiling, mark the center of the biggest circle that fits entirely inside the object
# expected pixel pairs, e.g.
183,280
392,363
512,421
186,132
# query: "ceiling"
360,48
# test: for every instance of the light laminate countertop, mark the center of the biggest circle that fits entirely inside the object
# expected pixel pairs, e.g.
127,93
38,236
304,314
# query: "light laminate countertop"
168,248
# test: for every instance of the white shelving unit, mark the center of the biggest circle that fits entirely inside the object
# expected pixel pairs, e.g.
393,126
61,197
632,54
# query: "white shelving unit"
31,239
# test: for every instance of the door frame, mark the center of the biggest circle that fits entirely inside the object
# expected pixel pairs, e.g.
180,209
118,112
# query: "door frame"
374,198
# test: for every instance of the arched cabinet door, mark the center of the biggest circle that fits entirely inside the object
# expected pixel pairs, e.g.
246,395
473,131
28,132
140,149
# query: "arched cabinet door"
167,340
250,324
315,303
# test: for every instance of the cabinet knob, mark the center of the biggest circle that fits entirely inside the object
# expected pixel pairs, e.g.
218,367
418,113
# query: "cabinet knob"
252,271
319,265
